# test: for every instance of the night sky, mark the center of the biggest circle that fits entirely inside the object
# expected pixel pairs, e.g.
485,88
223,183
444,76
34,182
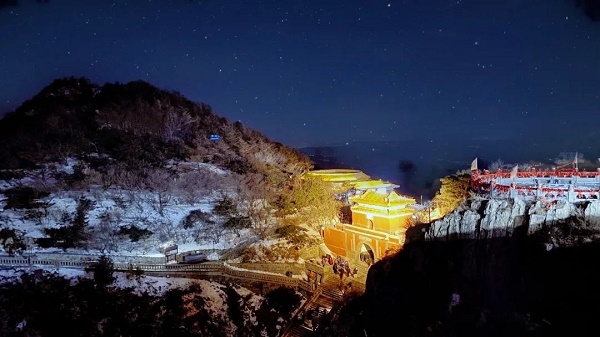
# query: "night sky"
310,73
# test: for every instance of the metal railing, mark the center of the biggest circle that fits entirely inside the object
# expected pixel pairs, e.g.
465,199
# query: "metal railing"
218,268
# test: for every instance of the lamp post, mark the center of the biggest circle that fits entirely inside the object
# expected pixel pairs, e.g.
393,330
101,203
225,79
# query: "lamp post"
429,208
28,242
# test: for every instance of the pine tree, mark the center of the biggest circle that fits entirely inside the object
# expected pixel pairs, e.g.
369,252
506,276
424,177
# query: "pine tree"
103,271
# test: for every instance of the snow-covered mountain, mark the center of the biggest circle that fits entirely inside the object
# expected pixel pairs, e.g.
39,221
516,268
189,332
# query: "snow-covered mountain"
128,168
118,220
124,170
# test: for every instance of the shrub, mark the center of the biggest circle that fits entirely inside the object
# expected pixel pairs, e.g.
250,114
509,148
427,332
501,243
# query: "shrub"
294,234
78,175
137,151
277,304
103,270
240,166
98,163
34,214
135,233
225,207
24,198
238,223
249,254
11,174
15,242
194,217
283,299
63,237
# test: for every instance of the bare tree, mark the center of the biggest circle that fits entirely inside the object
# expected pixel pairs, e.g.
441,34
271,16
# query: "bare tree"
106,235
160,183
165,230
193,185
177,125
43,177
212,233
254,197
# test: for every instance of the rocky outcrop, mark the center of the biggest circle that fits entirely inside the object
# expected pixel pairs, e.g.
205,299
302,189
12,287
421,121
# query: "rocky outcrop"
548,214
499,218
592,214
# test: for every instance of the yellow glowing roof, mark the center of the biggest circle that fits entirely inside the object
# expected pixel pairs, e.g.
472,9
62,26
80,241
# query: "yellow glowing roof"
337,175
372,184
391,199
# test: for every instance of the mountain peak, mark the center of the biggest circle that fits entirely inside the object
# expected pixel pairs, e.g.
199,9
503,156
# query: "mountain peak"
136,124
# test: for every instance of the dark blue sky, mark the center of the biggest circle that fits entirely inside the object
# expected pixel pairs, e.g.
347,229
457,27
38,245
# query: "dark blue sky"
328,72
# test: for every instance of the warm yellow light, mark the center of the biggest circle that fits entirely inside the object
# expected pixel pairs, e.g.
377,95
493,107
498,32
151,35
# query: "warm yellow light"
337,175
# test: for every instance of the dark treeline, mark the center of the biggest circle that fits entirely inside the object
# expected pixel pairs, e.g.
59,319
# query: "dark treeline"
53,306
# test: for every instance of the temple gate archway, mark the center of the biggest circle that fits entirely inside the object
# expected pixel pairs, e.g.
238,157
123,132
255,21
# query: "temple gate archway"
366,254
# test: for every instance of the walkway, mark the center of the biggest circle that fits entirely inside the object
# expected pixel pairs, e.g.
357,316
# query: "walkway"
328,295
323,299
221,269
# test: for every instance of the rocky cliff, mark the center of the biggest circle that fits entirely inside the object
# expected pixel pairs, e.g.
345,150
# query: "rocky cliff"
485,218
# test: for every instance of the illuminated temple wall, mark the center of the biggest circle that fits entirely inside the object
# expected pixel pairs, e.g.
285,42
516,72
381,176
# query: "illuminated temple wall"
385,212
335,239
347,243
380,223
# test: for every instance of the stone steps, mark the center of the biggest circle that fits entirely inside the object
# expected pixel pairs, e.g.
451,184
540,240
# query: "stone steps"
313,312
298,331
333,294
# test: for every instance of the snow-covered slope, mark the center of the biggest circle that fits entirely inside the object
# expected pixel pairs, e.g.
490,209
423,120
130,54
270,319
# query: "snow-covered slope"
113,210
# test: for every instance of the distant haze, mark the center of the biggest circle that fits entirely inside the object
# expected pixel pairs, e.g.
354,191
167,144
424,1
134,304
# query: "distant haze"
433,160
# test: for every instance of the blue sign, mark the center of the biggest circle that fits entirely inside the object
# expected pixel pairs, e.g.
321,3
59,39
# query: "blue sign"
215,137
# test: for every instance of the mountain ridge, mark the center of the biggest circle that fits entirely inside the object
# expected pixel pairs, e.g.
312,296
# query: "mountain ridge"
135,123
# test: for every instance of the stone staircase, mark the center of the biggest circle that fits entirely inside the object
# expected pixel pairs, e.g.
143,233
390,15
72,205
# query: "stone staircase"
329,294
363,270
312,315
316,308
298,330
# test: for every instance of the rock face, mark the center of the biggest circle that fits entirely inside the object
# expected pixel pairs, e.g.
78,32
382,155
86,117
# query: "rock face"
501,217
498,218
592,214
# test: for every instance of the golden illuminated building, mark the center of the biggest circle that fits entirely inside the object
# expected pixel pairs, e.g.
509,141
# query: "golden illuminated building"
353,181
382,212
380,217
337,175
